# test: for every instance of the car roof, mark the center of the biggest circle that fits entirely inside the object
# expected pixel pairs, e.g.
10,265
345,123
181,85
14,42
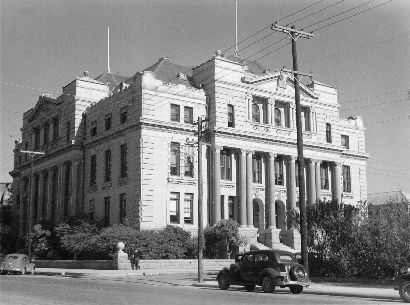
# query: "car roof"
269,251
16,254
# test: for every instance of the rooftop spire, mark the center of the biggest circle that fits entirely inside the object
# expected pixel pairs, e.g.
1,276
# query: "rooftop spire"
108,47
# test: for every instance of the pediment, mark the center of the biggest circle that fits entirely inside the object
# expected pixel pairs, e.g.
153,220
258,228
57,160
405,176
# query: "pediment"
288,88
45,104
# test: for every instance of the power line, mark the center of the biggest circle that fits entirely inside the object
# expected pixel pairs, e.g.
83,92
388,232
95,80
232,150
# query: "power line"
389,120
314,13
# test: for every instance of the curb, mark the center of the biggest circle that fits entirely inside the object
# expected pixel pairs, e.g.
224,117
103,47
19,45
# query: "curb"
316,292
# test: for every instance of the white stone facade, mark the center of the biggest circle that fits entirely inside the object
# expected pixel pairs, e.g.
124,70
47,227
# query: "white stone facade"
128,148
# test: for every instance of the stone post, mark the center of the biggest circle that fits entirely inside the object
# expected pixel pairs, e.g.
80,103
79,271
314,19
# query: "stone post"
120,258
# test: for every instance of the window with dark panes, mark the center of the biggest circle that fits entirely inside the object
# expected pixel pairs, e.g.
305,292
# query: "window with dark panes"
347,182
108,121
174,208
188,207
324,176
231,207
36,138
93,128
189,166
256,114
345,141
107,174
93,170
257,169
231,116
222,205
67,131
123,114
91,209
188,115
306,118
56,128
226,165
46,133
328,133
123,207
175,113
279,179
123,161
277,117
175,159
107,208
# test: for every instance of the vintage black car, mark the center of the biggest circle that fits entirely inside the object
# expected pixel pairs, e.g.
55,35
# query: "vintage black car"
266,268
402,283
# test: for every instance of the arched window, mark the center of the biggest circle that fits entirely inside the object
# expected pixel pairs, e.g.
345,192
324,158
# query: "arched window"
256,114
278,117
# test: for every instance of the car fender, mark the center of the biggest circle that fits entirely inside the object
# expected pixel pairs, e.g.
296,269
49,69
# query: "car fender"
224,271
271,272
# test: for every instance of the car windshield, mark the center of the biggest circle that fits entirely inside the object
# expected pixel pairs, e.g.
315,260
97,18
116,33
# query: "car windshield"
284,257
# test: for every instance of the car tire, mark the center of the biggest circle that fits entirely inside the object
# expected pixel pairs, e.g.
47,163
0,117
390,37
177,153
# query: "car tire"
23,271
32,271
224,281
267,284
296,289
404,290
250,288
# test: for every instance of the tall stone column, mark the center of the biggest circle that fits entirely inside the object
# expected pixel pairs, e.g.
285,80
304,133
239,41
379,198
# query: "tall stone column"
271,190
242,188
249,189
318,183
337,194
74,188
217,183
21,205
269,114
292,116
40,195
60,194
291,183
312,182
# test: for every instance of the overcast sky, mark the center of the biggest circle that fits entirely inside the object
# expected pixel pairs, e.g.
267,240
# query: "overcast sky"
46,43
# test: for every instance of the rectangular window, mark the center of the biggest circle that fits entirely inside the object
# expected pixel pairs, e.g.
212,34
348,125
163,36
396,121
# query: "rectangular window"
226,165
231,207
222,207
175,159
188,115
91,209
67,131
123,207
123,114
257,169
36,138
324,176
297,173
107,211
345,141
328,133
189,166
231,116
306,118
93,128
93,170
175,113
347,182
279,179
174,208
46,134
123,161
108,121
56,128
107,174
188,208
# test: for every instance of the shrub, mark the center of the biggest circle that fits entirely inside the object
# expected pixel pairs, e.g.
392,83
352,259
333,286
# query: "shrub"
222,240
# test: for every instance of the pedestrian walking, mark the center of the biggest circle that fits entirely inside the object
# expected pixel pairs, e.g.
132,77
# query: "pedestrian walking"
135,260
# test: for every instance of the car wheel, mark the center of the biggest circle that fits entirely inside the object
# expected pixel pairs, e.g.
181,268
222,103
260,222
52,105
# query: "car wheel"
250,287
404,291
23,271
32,271
224,281
296,289
267,284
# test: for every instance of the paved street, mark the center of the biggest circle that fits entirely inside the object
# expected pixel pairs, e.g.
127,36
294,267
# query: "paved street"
171,289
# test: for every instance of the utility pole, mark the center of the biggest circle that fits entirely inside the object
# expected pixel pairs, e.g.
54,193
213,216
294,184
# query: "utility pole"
294,35
30,202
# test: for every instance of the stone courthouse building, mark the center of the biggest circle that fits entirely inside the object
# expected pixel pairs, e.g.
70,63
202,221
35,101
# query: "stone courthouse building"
120,147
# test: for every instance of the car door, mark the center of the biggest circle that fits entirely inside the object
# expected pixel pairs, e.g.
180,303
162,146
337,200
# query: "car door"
261,261
246,267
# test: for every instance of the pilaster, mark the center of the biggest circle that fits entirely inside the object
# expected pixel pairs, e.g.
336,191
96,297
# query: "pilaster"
271,190
318,183
242,188
312,182
249,189
291,183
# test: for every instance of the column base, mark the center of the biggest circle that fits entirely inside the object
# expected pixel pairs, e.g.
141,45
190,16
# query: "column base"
269,237
121,261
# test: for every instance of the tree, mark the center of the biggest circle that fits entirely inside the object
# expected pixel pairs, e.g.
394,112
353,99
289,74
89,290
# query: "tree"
222,239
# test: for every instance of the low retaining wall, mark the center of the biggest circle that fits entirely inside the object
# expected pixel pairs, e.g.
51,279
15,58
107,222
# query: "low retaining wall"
74,264
150,264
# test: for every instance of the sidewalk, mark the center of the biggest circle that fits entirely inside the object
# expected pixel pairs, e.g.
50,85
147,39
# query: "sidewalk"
331,289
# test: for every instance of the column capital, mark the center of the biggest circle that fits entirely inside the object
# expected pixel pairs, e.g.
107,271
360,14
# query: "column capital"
336,163
248,95
217,147
291,158
311,160
271,155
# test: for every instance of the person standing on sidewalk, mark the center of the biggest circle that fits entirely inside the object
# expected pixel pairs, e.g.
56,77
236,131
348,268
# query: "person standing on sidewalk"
135,260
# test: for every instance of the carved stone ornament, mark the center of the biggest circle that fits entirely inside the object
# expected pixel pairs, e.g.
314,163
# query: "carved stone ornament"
258,192
282,80
248,95
120,246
